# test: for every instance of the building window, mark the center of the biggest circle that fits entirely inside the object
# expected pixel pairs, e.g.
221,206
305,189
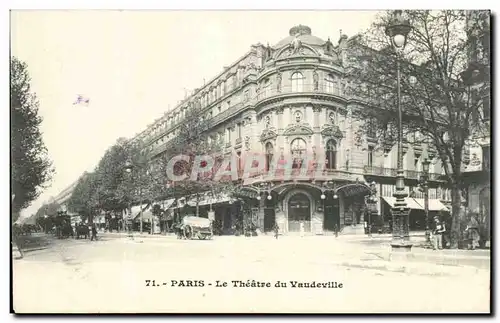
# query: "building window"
238,155
228,135
370,155
329,83
331,154
297,82
269,155
371,129
298,150
239,130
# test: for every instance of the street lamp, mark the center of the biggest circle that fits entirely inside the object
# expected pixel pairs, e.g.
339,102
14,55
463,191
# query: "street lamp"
46,217
128,168
372,200
425,188
398,30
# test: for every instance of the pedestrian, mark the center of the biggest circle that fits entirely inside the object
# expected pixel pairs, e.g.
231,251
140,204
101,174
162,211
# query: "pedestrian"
93,235
336,230
472,233
276,229
301,229
437,233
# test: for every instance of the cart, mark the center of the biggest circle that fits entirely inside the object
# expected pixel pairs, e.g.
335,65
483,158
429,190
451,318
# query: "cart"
196,227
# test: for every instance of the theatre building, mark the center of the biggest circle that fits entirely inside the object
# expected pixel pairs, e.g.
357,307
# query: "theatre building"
290,99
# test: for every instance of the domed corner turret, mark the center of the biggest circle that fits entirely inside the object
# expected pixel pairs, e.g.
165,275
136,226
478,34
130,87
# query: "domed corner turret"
300,30
302,33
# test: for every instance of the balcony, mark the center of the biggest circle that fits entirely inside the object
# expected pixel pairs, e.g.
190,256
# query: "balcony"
235,109
303,89
392,172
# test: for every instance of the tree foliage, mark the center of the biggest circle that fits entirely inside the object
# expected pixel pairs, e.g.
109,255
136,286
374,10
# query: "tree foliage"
31,168
84,199
193,140
440,105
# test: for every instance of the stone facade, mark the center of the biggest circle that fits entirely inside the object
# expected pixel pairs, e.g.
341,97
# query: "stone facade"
291,99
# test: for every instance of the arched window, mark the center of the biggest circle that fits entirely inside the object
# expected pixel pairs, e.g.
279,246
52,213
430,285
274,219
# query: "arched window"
298,150
331,154
329,83
269,155
297,82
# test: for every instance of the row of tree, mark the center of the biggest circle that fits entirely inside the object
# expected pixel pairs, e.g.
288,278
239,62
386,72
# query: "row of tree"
132,173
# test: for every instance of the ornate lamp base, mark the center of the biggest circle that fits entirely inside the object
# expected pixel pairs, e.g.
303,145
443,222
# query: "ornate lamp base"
400,244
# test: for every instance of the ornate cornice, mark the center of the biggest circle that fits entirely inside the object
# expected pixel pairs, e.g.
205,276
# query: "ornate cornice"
332,131
267,134
298,129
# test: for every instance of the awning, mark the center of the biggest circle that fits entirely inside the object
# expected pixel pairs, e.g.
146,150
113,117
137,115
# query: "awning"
207,199
165,204
146,212
410,202
434,205
418,204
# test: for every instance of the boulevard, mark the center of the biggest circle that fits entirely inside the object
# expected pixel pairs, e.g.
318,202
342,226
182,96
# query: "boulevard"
112,274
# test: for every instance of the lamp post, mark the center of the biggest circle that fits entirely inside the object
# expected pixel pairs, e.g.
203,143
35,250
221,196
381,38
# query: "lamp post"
128,168
372,200
398,30
425,188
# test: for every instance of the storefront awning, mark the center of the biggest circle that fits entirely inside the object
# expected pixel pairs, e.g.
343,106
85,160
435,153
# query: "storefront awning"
206,199
410,202
418,204
146,212
434,204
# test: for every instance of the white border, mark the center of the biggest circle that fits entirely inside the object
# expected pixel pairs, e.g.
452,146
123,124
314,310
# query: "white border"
172,4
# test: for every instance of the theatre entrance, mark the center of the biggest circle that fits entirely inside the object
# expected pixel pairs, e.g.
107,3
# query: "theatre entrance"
299,210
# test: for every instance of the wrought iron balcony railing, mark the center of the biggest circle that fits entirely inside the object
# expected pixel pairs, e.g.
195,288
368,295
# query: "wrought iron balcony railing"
392,172
299,88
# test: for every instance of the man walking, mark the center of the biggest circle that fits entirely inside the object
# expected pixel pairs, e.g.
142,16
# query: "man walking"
437,233
276,229
93,235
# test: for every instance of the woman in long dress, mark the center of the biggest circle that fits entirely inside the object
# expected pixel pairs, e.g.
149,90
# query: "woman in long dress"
301,228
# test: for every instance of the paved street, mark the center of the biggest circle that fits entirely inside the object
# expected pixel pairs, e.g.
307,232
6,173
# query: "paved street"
110,276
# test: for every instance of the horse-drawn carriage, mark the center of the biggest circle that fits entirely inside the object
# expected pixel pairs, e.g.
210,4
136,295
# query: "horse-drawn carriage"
194,227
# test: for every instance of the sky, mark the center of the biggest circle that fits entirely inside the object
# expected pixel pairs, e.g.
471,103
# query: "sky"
134,66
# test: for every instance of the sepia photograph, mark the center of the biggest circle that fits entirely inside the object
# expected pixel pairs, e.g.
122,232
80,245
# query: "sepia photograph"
250,161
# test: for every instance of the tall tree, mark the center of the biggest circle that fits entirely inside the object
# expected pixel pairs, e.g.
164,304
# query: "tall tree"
440,104
31,168
84,199
113,195
192,139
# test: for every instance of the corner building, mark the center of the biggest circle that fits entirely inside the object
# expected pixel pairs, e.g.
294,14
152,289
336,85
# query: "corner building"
290,99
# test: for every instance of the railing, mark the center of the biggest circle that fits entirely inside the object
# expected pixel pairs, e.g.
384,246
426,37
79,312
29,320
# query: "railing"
305,88
226,114
392,172
297,173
